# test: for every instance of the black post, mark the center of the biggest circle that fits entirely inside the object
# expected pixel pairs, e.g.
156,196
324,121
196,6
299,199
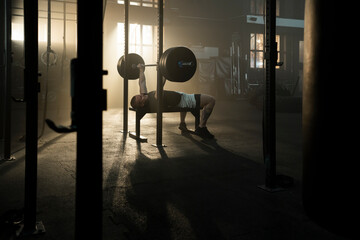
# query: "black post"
126,80
2,70
269,122
31,96
159,76
91,101
7,81
330,166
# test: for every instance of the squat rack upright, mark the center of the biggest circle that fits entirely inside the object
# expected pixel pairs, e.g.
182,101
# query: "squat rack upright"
159,75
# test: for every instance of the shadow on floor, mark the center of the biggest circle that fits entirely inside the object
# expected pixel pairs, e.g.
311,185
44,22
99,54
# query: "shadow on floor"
208,196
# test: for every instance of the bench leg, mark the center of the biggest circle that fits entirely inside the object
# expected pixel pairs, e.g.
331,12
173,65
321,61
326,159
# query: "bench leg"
137,135
137,127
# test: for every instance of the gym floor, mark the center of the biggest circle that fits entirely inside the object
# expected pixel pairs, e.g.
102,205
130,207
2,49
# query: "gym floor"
190,189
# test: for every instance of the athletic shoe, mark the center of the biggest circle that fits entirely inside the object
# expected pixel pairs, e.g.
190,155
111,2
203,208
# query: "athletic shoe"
183,127
203,132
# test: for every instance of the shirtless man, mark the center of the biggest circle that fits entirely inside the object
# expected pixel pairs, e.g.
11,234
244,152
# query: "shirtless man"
176,99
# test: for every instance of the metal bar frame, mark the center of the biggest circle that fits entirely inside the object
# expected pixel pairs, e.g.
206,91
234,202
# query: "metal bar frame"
231,69
269,121
7,82
91,101
273,183
159,76
126,80
31,96
240,89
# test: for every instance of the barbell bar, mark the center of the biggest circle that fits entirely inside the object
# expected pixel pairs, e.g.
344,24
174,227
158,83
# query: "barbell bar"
180,64
144,65
177,64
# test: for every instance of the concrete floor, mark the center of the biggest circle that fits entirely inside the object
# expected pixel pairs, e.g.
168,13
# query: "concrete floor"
191,189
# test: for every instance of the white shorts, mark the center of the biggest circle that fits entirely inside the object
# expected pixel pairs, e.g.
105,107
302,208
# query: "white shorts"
187,100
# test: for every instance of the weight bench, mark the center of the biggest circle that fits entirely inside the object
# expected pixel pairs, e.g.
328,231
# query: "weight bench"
140,113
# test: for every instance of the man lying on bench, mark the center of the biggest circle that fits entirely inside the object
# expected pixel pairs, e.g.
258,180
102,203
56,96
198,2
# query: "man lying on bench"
148,101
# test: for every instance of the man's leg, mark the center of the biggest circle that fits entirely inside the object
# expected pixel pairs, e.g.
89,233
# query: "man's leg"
182,125
182,117
207,103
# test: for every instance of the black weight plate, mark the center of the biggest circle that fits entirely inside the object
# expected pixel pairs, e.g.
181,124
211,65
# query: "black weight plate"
132,71
178,64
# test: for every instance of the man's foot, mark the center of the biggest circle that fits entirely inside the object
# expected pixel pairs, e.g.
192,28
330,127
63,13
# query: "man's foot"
203,132
183,127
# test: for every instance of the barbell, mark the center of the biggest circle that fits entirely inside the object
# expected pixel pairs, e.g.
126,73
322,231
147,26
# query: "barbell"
177,64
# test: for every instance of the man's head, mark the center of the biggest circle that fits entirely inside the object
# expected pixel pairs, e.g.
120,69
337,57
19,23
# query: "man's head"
138,101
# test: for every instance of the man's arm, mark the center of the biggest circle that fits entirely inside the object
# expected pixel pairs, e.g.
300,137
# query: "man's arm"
142,80
164,81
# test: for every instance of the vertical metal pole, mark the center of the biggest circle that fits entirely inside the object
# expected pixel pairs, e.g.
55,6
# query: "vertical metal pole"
269,124
159,76
63,58
7,81
231,70
48,49
126,80
31,93
48,52
2,72
240,90
91,100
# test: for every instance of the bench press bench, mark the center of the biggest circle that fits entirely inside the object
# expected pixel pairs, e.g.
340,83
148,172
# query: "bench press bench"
140,113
